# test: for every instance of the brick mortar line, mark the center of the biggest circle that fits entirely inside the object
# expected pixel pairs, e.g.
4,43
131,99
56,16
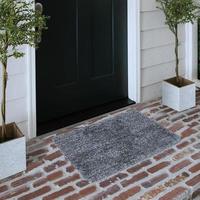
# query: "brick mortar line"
32,189
167,188
54,188
39,140
165,192
31,149
123,189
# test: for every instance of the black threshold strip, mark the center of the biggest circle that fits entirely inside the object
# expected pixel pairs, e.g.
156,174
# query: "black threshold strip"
52,125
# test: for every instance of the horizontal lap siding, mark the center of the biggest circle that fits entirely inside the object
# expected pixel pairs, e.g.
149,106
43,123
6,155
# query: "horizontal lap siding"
17,108
157,50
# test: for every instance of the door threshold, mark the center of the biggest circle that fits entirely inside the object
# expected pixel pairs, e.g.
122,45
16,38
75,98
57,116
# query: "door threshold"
77,117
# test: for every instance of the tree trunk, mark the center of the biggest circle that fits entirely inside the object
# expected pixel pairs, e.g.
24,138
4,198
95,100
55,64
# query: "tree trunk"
3,102
177,55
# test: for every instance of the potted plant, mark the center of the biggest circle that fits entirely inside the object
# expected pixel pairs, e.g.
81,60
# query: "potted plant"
178,92
20,24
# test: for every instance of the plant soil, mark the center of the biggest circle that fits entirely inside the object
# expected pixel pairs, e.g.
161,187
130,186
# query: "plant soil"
12,132
182,82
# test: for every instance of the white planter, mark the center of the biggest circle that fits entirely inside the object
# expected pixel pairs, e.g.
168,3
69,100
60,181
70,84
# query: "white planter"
179,98
13,154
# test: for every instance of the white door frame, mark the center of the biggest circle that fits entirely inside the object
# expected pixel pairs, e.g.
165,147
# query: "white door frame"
134,57
31,92
134,72
191,50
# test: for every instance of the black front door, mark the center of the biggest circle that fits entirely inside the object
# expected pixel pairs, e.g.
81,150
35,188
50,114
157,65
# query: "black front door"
82,60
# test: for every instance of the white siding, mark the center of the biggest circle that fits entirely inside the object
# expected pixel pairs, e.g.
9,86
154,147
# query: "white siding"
157,50
17,105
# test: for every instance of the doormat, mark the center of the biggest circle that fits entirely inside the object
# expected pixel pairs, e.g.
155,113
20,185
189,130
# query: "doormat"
114,143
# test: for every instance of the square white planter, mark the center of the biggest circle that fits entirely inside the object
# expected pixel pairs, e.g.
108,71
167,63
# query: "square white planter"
13,155
179,98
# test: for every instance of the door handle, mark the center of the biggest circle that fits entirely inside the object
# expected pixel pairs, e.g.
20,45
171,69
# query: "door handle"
39,7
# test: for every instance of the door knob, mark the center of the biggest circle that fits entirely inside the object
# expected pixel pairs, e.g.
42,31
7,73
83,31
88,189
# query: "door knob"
39,7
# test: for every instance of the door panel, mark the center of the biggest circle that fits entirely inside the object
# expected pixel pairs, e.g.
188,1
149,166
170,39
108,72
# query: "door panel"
102,53
82,61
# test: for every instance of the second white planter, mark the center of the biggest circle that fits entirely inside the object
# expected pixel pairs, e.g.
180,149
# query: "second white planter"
12,153
176,97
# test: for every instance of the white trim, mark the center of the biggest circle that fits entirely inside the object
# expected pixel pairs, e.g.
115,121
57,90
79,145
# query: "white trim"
134,71
31,74
191,57
31,90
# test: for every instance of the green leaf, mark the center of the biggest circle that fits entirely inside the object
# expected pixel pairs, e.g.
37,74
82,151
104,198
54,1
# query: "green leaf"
20,25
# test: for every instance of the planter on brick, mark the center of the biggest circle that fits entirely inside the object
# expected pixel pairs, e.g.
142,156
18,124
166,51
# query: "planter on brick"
180,97
12,152
15,32
178,93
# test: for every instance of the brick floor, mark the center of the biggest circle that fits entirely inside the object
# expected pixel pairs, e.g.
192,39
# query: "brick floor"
172,174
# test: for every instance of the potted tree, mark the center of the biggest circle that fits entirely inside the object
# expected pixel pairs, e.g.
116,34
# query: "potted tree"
20,24
178,92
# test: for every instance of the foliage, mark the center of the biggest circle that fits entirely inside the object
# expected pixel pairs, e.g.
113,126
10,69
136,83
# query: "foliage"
179,12
20,24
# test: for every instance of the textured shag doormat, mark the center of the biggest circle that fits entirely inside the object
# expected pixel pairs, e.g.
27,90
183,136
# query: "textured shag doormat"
114,143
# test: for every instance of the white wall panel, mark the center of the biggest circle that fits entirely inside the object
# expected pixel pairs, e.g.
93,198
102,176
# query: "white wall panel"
152,20
151,92
161,54
155,74
16,108
159,37
148,5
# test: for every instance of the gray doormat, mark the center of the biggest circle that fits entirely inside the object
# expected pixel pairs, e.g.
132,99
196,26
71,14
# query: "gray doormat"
114,143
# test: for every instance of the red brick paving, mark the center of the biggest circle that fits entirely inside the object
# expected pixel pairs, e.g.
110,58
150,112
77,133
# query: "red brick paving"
170,175
175,194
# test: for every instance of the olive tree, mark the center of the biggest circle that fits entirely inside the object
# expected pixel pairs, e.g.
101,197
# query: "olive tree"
178,12
20,24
